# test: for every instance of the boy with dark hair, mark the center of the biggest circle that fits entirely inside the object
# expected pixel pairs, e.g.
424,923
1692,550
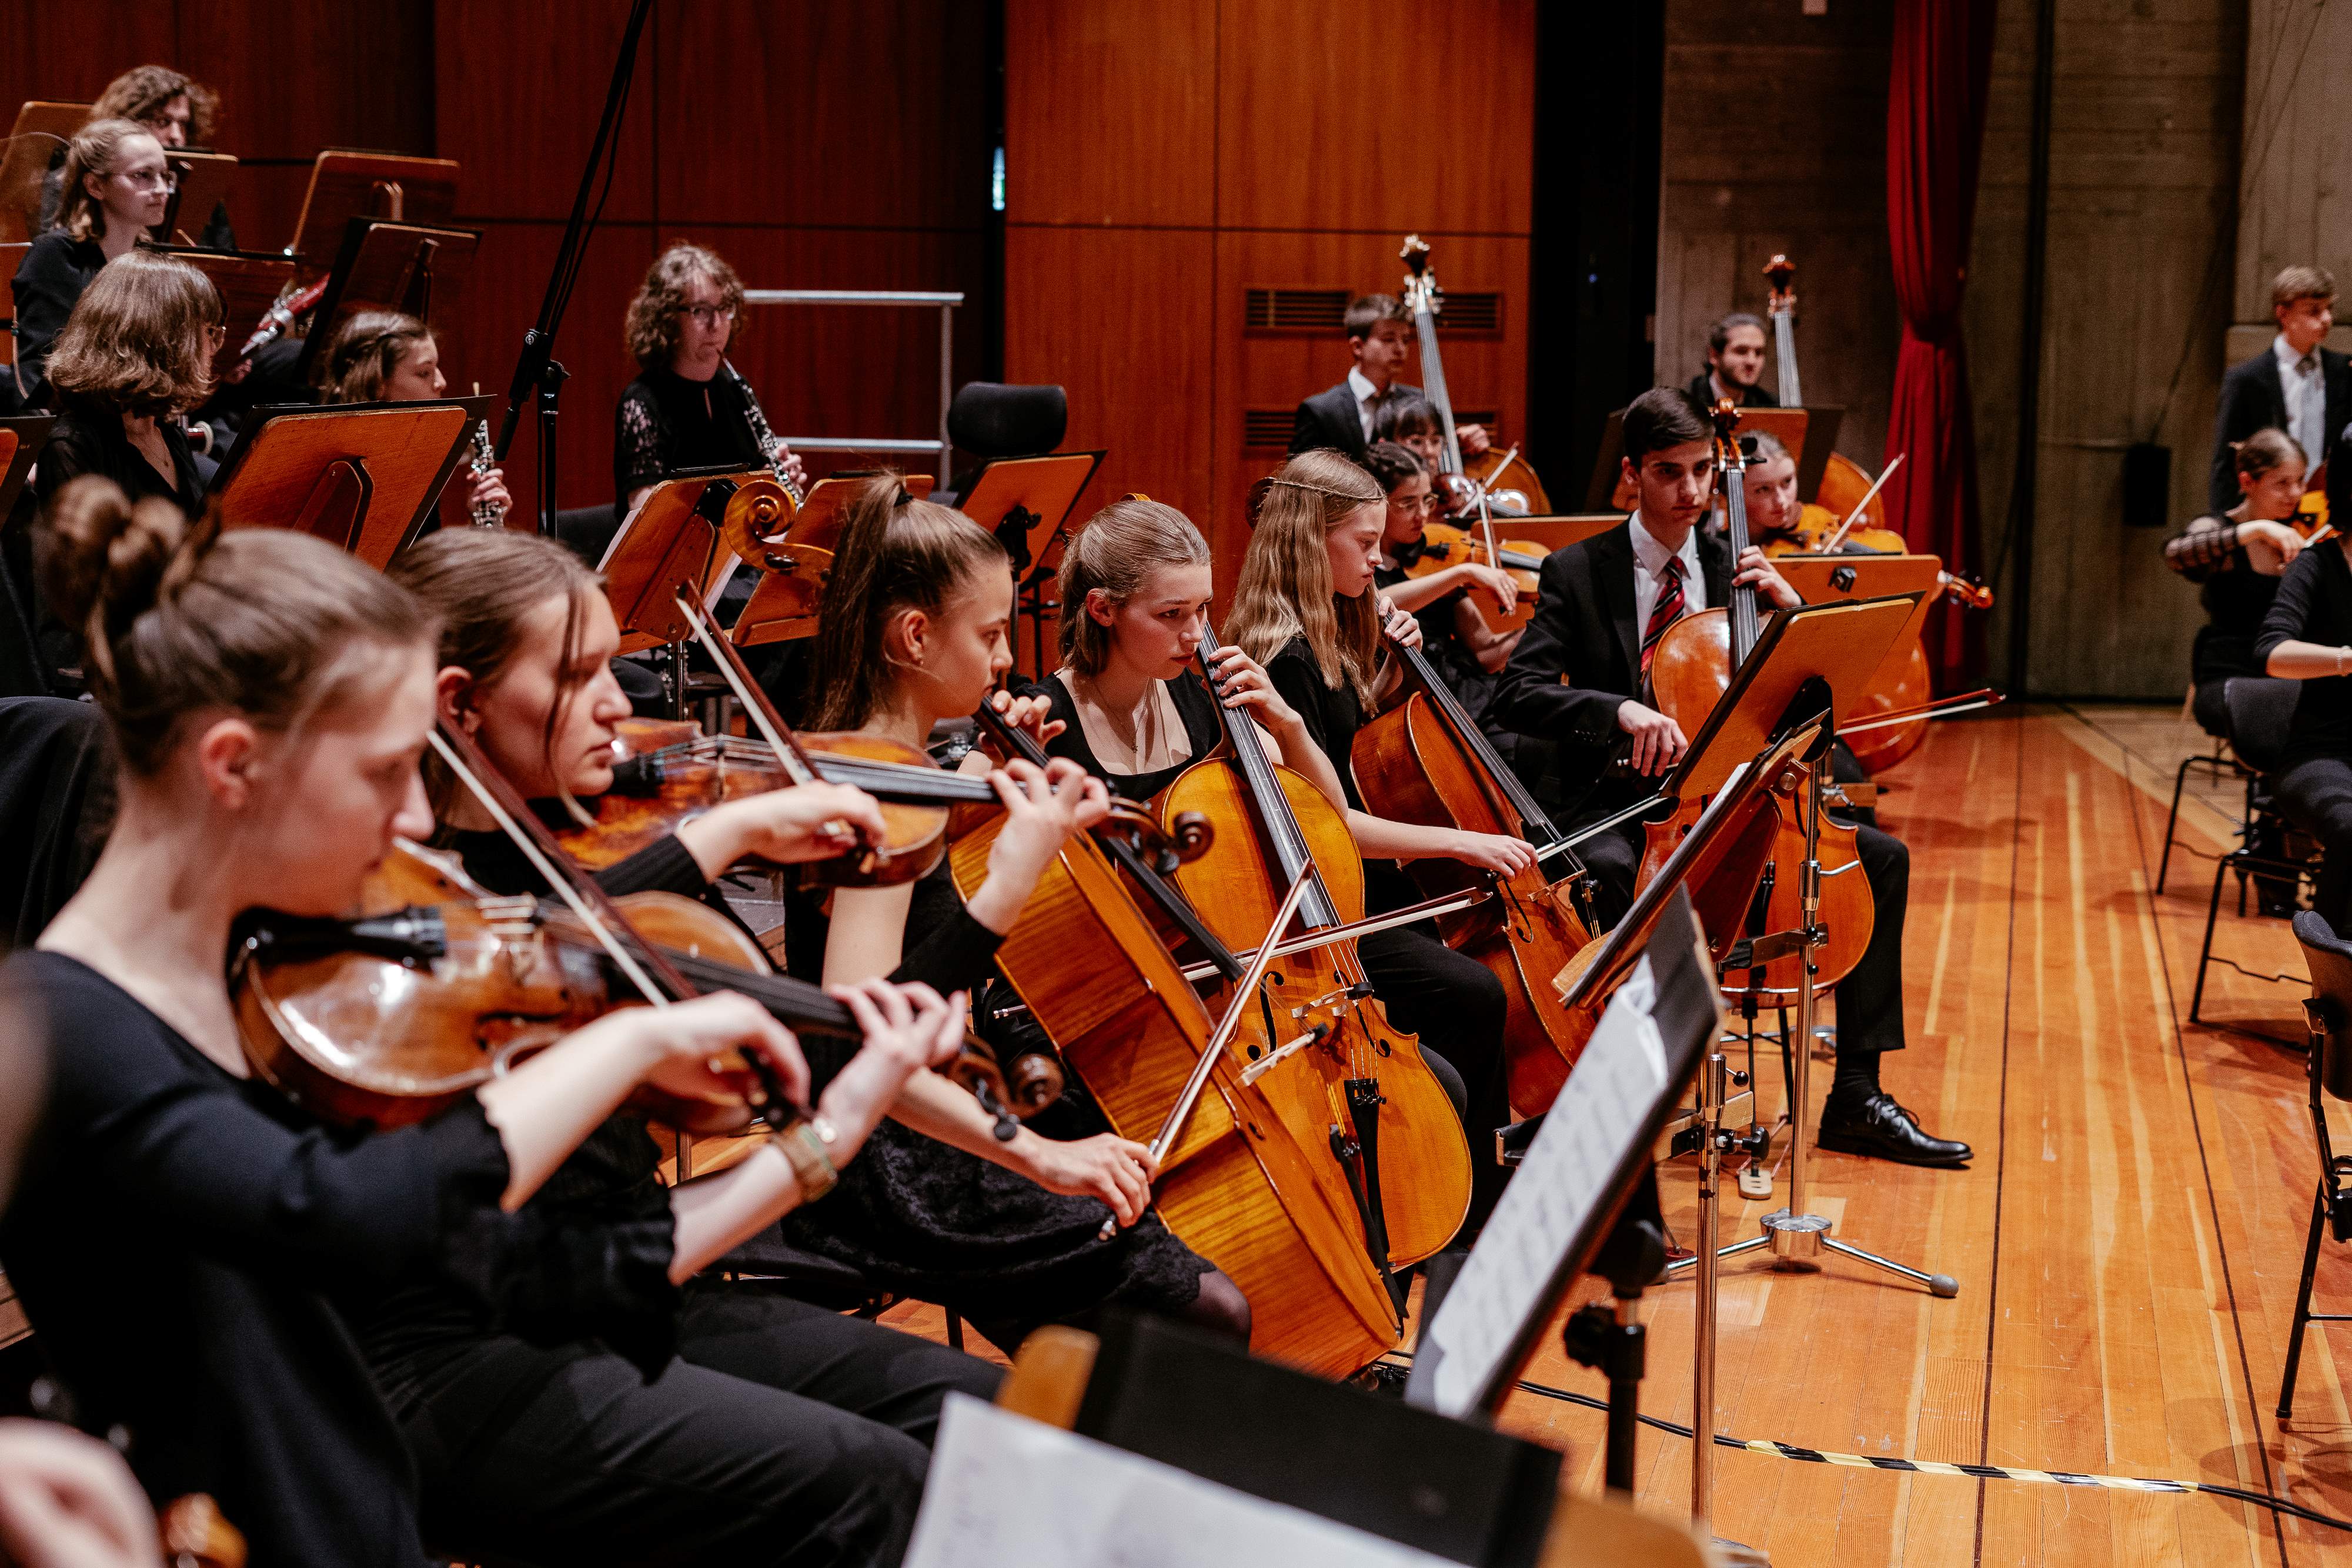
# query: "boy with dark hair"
1578,678
2297,384
1734,364
1380,337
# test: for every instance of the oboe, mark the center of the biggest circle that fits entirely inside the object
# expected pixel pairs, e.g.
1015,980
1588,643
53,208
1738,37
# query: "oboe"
485,462
761,433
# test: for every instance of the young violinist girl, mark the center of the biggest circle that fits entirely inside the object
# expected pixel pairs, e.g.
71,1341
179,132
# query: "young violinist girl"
1305,607
269,698
2236,557
914,629
116,187
390,356
1447,602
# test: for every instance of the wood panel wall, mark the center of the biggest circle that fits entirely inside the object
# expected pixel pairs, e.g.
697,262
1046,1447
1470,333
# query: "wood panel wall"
1775,141
2142,238
872,173
1160,161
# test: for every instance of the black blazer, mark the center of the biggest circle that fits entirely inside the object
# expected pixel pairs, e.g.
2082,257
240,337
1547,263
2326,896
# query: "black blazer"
2251,399
1704,394
1330,419
1579,659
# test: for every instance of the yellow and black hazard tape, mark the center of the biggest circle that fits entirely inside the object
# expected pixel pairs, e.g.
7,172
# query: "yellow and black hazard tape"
1940,1468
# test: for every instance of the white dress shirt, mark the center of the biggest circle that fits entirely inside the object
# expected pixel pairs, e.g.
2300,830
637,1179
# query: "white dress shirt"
1361,387
1650,565
2305,386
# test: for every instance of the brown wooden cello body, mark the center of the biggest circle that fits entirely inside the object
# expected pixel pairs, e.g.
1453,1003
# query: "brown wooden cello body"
1423,760
1241,1184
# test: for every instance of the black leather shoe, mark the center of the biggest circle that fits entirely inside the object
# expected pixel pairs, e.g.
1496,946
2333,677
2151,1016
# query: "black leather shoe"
1874,1125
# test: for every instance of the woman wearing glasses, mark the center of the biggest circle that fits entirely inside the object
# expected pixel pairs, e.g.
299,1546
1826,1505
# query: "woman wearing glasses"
116,187
682,412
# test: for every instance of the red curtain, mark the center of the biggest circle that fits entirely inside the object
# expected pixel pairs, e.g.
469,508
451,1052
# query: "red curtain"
1935,128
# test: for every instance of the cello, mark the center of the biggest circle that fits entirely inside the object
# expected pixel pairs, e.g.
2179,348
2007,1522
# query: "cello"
1425,760
1388,1120
1689,673
1846,488
1241,1182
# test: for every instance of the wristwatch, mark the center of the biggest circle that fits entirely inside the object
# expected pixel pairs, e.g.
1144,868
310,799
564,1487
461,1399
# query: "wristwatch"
807,1147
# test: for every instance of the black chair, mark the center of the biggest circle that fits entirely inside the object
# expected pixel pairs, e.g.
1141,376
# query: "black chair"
992,420
768,1259
2328,1011
2219,762
2261,713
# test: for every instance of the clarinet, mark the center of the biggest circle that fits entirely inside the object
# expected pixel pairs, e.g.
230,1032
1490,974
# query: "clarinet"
761,433
485,462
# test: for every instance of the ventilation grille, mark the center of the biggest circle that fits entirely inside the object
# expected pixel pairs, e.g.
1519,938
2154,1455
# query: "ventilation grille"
1473,311
1269,429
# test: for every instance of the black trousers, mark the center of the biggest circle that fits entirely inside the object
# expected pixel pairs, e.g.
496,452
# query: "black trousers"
2317,795
1455,1005
1870,1000
783,1433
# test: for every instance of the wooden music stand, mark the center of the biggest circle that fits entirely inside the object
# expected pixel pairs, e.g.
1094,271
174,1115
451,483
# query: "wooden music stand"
793,565
387,266
347,184
1843,644
205,179
21,440
1822,422
1026,503
249,283
1556,532
1786,426
1843,579
40,132
670,540
363,476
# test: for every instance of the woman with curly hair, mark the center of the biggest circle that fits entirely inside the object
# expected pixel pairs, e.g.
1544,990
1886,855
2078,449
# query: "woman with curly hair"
684,410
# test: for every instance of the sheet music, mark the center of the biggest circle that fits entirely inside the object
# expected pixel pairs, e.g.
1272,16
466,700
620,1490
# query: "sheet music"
1599,1111
1007,1490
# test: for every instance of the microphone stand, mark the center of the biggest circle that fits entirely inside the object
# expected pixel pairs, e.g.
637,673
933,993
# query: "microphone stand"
538,376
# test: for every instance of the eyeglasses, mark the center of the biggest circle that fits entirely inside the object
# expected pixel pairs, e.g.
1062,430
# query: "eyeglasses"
1421,504
708,315
147,179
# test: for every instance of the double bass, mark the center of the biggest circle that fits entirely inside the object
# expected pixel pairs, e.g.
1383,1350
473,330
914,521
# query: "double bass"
1425,760
1689,672
1242,1181
1476,486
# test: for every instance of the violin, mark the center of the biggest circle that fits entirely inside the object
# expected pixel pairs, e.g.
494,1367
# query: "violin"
1689,672
1243,1181
1444,545
1472,486
1425,760
667,772
1365,1087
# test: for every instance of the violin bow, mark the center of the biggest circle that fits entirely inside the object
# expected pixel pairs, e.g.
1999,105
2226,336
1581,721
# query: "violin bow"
1837,537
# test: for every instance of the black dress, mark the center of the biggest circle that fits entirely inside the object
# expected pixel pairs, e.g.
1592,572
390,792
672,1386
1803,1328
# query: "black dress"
2313,784
88,438
2236,597
174,1233
930,1221
1194,705
49,282
779,1432
665,423
1442,644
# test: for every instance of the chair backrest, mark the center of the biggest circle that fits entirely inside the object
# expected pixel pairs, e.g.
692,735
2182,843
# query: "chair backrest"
2261,712
992,420
2330,1009
54,771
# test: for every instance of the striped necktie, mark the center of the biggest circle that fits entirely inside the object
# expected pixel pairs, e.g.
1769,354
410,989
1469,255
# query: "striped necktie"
1664,614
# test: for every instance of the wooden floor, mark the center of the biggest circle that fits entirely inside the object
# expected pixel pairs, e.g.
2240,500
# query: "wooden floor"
2127,1239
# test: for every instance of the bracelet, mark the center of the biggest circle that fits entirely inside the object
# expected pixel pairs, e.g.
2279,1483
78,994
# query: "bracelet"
807,1147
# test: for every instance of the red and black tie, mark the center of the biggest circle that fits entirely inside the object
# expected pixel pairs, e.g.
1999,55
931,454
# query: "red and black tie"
1664,614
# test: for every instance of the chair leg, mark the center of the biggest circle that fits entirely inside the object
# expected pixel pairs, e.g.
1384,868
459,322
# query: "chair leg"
2172,818
2205,953
955,1328
2303,1304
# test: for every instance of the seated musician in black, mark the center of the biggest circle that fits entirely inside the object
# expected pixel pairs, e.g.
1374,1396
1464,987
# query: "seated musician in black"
137,352
1452,602
2307,636
1600,608
1343,417
2237,556
1734,364
116,185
